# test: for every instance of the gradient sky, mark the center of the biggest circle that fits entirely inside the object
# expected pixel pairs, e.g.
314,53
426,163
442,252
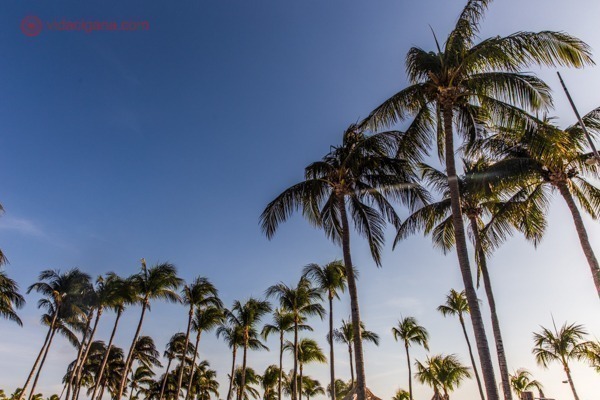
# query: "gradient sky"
168,143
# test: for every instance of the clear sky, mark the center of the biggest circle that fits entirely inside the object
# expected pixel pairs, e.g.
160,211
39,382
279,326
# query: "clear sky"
168,143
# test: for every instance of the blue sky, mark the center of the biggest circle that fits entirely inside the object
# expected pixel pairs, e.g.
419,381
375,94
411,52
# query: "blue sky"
168,143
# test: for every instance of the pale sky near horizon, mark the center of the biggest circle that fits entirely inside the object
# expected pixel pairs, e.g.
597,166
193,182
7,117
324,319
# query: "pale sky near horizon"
168,143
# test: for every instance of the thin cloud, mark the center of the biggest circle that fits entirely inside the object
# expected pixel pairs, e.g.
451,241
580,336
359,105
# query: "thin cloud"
21,225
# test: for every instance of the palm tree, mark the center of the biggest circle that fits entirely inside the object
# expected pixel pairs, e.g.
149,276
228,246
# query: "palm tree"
330,278
140,377
200,293
174,349
561,345
409,331
454,85
204,383
283,322
593,354
270,380
206,318
157,282
311,387
345,335
457,304
308,352
247,315
340,388
521,381
233,335
243,383
301,301
401,394
10,298
359,177
63,295
443,373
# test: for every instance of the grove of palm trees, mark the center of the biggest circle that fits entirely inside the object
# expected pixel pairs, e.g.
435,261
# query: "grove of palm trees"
334,294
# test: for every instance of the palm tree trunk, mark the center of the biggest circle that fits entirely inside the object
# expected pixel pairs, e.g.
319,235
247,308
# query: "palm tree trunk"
409,372
361,383
85,356
37,375
130,354
351,365
164,382
73,373
280,365
331,359
185,348
295,374
568,371
244,359
475,372
582,233
487,284
105,359
101,391
229,393
189,387
463,258
300,382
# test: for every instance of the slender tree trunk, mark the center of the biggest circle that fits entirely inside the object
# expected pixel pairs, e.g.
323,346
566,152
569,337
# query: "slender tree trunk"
105,359
463,259
487,284
102,391
331,359
73,373
37,375
361,383
77,388
185,348
351,365
193,366
244,359
164,382
475,372
409,372
570,379
582,233
280,365
300,382
129,355
41,353
295,374
229,393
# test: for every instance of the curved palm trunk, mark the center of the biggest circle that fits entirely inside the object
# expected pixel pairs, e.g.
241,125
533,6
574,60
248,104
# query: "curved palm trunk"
351,365
185,348
189,386
361,383
37,375
295,374
105,359
568,371
487,284
582,233
409,372
130,354
73,373
300,382
164,382
331,359
280,365
77,388
463,258
244,359
475,372
229,393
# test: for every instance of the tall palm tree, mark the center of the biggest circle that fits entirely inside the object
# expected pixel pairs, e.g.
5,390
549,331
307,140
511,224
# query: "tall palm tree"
457,304
283,322
269,382
330,278
200,293
10,298
244,382
206,318
141,379
247,315
562,345
311,387
345,335
443,373
157,282
451,86
359,178
307,351
204,382
410,332
174,349
301,301
521,381
233,336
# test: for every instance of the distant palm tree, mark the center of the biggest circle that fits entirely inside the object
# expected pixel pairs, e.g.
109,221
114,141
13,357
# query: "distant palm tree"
174,349
359,178
409,331
141,379
301,301
244,382
157,282
204,383
269,382
330,278
401,394
308,351
345,335
340,388
457,304
521,381
442,373
562,345
10,298
592,353
311,387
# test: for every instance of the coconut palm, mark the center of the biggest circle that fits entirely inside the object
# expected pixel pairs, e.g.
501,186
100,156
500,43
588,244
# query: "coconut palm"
457,305
200,293
521,381
345,335
340,388
301,301
204,382
174,349
562,346
331,279
453,86
593,354
307,351
311,387
244,382
159,282
10,298
401,394
283,322
270,382
360,177
141,379
410,332
234,337
443,373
